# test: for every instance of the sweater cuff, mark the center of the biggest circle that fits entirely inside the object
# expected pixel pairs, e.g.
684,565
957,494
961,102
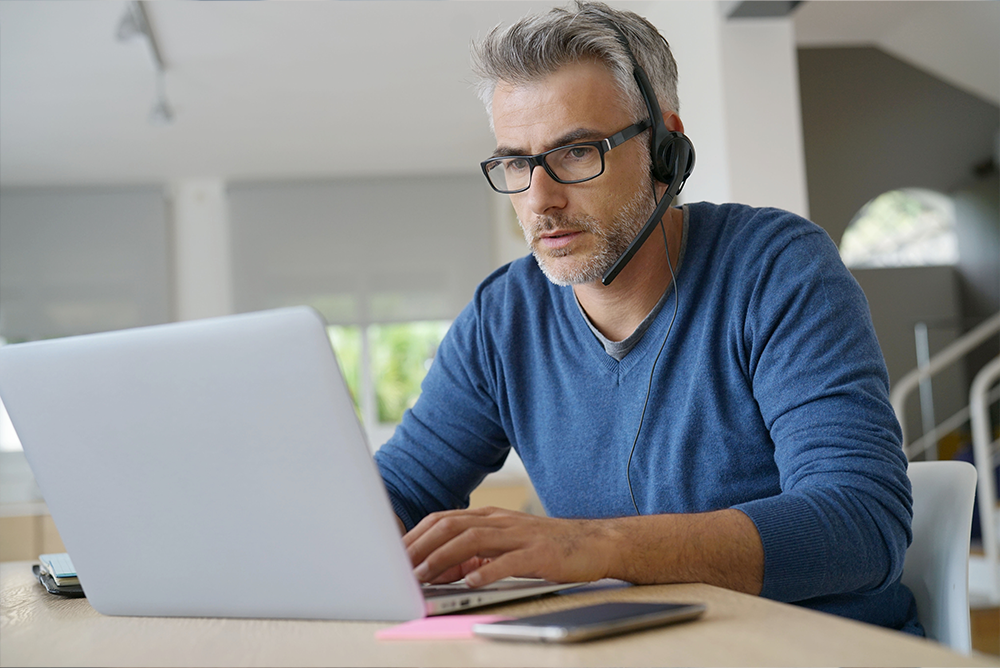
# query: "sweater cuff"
401,512
796,548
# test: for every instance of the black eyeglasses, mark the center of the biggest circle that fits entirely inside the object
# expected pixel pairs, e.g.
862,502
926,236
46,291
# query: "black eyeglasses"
574,163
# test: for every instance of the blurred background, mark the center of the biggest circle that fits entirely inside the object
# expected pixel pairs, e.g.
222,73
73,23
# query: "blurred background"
165,161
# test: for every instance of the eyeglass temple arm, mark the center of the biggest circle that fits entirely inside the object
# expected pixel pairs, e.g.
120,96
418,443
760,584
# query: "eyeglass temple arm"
620,138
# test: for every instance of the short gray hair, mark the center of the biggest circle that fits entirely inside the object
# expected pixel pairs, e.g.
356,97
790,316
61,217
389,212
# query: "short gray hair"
537,46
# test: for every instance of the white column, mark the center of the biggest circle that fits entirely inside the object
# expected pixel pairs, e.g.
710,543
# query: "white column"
203,284
767,164
694,31
739,94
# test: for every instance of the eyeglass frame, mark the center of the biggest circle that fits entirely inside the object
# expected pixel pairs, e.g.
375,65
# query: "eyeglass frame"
539,159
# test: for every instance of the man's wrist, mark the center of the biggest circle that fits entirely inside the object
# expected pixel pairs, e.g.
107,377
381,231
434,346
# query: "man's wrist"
721,548
611,546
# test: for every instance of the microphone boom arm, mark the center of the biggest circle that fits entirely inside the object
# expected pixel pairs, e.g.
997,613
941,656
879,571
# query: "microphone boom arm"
647,229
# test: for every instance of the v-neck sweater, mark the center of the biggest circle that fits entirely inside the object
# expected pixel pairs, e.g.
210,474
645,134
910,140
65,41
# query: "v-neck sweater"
770,397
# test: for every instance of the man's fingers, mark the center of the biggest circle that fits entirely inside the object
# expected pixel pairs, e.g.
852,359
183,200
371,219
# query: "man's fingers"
433,519
451,575
506,565
460,571
476,541
442,528
446,546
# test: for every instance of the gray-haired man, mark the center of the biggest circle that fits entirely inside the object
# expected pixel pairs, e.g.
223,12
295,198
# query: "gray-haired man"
718,413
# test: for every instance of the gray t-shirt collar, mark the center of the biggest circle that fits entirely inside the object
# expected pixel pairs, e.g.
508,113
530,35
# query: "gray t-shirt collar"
619,349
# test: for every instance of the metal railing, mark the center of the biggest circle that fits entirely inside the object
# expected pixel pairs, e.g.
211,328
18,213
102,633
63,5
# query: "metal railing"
984,572
987,577
951,354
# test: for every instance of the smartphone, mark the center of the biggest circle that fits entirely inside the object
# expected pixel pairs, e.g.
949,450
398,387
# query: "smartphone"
592,621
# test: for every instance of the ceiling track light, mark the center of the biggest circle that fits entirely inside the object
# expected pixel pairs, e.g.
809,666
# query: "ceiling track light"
135,23
162,113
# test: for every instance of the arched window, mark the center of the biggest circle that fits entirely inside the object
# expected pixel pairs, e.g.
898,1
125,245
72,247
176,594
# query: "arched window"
911,227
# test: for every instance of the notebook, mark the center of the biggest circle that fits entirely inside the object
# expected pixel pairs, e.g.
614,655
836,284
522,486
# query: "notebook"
216,468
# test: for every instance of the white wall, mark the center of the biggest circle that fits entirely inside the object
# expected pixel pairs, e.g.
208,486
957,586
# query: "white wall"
738,87
955,41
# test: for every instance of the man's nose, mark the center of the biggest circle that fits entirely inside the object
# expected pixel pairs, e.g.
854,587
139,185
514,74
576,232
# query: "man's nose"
545,193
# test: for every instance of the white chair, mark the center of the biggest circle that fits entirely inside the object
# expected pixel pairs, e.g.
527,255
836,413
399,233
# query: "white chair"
936,568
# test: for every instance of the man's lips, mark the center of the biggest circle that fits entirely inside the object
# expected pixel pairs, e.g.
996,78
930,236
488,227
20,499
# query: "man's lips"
558,238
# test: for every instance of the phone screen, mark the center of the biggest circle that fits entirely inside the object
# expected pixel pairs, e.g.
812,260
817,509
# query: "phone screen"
590,621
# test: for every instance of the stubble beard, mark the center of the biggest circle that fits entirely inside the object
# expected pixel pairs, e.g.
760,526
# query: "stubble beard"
610,241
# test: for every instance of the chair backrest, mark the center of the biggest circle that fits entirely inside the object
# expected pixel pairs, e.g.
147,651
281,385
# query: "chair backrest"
937,563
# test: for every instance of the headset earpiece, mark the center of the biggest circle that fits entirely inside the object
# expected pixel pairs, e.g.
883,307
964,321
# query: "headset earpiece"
671,153
673,159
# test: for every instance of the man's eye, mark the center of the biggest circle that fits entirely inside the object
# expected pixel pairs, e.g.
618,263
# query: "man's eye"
581,153
517,165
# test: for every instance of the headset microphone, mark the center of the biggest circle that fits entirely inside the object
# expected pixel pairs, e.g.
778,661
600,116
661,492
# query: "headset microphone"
671,154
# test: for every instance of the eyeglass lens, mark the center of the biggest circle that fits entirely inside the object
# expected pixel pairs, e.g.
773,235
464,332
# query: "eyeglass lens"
568,164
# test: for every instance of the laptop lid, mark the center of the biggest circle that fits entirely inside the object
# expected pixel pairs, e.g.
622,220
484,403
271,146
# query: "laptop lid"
216,468
210,468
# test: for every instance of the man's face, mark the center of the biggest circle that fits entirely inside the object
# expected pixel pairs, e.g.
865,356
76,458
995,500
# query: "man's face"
576,231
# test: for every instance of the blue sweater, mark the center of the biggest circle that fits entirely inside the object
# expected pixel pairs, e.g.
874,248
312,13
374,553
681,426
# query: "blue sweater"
771,396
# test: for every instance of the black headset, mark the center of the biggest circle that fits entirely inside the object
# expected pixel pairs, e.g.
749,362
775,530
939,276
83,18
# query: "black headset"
671,154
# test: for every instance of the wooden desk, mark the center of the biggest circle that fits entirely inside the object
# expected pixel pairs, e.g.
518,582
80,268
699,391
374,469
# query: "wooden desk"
37,628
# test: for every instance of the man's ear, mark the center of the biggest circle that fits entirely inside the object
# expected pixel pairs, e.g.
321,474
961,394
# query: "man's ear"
673,122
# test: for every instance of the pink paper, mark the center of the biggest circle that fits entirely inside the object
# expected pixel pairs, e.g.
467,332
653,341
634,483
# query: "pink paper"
447,627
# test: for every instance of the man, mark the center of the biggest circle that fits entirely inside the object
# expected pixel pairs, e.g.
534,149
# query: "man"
724,422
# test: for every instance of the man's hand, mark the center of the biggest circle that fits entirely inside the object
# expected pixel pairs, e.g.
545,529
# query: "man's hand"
721,548
488,544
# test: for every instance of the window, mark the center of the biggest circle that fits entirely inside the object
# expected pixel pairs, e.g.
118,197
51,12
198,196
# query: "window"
346,342
384,366
902,228
387,262
401,356
79,260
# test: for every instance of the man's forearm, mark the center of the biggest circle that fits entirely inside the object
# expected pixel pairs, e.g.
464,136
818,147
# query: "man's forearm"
486,544
721,548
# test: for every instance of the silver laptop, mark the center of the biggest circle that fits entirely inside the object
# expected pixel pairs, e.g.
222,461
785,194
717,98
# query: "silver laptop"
216,468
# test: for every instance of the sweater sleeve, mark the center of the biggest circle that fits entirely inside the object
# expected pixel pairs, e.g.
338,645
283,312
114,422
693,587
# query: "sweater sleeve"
842,520
452,437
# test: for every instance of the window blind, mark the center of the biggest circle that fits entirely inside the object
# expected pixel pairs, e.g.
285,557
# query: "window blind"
361,251
82,260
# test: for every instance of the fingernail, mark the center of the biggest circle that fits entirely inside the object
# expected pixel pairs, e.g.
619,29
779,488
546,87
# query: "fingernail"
473,579
422,571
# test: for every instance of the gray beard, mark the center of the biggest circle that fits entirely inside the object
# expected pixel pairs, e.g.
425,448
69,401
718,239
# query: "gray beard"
610,241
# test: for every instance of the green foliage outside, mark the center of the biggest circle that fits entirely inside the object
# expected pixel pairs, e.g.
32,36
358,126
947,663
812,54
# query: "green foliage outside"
346,343
401,357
